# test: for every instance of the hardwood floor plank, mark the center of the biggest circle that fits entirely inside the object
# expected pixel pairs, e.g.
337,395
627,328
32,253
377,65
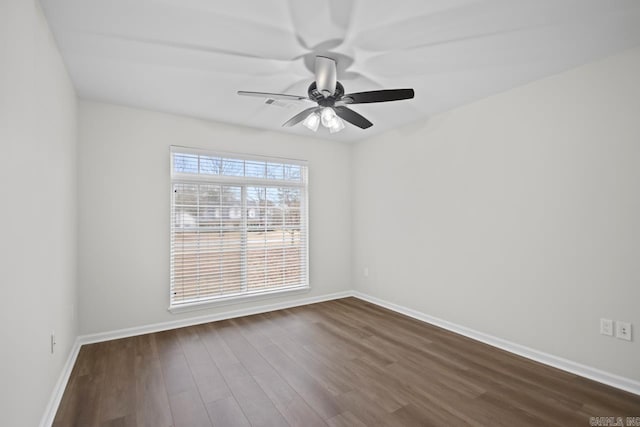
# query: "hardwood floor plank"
227,413
126,421
175,369
325,371
81,406
208,378
245,342
337,363
375,386
152,402
278,390
118,398
318,397
254,402
538,402
254,328
83,387
601,397
355,345
273,334
411,415
363,408
345,419
218,350
185,401
298,413
188,410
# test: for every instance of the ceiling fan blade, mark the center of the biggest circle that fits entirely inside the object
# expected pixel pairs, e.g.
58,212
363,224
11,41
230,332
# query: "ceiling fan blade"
282,104
191,46
300,117
326,75
353,117
330,22
267,95
378,96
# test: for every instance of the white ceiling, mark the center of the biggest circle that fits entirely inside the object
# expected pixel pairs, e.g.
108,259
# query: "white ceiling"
191,56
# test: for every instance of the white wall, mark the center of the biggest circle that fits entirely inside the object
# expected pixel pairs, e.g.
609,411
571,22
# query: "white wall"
124,209
38,194
517,216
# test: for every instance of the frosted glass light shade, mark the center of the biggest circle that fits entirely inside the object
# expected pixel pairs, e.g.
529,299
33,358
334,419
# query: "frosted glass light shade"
337,125
328,117
312,122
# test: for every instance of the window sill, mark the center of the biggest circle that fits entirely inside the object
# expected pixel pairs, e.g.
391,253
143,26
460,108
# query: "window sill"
235,299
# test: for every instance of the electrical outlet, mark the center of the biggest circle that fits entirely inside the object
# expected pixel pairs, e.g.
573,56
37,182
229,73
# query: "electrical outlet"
365,272
53,341
606,327
623,330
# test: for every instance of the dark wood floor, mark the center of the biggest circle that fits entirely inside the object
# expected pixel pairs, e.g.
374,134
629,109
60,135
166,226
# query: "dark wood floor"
338,363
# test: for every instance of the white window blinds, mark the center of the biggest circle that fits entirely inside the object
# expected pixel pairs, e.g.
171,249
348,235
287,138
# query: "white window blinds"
238,226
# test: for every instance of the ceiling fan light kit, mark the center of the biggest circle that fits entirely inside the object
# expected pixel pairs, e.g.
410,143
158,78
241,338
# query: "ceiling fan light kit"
328,93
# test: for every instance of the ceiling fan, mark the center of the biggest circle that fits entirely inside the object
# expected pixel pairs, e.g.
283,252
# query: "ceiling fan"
332,102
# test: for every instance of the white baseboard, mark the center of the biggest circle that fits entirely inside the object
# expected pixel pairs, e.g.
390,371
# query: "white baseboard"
164,326
61,384
613,380
598,375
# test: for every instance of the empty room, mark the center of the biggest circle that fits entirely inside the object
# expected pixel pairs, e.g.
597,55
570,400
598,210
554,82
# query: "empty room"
320,213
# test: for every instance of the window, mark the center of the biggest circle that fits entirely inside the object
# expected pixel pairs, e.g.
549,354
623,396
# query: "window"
238,226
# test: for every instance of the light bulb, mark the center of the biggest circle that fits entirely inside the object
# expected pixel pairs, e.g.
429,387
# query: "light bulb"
312,121
328,117
337,125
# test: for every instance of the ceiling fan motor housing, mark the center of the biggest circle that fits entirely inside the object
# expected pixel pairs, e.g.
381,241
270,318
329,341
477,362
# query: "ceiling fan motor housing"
329,101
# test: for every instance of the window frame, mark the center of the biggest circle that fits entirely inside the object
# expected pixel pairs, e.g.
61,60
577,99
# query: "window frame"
243,182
